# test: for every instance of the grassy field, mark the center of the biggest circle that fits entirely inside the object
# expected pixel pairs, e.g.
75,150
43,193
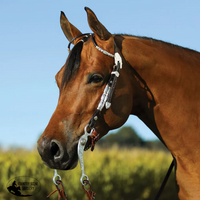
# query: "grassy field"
115,174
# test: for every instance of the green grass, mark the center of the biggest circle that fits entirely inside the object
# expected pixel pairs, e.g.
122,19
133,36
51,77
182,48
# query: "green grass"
114,174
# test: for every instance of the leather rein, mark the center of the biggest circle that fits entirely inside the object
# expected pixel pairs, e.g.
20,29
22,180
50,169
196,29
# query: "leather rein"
90,136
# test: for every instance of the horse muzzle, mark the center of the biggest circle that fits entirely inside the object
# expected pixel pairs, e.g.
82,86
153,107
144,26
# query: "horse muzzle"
55,155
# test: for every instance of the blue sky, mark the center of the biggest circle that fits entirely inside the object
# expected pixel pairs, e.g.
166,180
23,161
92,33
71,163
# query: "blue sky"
33,48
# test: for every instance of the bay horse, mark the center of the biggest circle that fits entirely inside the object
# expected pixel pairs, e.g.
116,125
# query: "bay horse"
159,83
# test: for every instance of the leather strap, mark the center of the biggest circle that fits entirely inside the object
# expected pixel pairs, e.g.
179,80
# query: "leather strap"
61,192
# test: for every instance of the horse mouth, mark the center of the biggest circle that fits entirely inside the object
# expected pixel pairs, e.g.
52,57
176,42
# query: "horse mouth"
67,165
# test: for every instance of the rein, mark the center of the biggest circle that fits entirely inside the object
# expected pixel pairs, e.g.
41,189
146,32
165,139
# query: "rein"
90,136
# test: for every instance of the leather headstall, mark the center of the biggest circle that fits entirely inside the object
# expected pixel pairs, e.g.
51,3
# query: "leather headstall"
106,97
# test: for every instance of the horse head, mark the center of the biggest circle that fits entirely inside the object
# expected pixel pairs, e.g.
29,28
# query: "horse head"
81,82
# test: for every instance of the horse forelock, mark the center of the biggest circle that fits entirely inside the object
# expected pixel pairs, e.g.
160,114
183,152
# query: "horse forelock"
72,64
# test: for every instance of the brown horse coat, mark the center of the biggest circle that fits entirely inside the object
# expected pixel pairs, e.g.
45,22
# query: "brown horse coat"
159,83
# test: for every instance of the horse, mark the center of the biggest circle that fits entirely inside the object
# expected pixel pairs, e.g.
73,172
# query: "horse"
157,81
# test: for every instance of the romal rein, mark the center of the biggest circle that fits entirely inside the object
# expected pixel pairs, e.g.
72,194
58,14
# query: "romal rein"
89,130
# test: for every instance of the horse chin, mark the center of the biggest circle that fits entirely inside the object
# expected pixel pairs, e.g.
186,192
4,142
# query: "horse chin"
66,165
63,166
72,166
69,165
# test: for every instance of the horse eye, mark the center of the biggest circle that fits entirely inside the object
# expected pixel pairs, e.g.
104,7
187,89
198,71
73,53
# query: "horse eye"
95,78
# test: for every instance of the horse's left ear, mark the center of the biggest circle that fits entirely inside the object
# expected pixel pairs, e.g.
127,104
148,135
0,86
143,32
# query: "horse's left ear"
96,26
69,29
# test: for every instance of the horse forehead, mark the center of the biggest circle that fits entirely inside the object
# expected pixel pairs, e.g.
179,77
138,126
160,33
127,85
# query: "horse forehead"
91,58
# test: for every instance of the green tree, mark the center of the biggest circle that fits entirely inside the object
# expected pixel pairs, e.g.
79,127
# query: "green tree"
126,136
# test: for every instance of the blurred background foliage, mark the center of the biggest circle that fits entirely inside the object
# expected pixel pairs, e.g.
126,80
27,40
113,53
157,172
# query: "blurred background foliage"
128,138
122,166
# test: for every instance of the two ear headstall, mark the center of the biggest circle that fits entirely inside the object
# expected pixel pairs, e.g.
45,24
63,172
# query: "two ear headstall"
110,87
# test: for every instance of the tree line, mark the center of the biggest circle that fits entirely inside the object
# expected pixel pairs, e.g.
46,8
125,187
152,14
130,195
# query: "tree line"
126,137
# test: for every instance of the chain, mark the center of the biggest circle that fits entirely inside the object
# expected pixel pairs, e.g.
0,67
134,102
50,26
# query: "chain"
89,192
61,191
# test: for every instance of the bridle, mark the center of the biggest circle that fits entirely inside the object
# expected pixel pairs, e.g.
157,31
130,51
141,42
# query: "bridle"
90,136
105,101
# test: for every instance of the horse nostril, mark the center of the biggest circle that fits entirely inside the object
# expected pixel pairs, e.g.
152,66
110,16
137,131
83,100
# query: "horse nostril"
56,150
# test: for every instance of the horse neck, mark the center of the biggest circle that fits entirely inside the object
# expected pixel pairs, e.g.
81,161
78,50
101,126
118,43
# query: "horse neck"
162,66
170,73
159,63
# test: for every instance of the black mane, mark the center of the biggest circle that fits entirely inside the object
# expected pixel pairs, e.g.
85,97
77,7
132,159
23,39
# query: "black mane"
73,63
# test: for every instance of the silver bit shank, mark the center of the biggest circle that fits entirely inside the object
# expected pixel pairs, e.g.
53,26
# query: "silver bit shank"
81,146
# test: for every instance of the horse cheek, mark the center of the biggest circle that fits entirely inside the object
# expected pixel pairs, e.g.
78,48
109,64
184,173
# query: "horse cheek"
119,112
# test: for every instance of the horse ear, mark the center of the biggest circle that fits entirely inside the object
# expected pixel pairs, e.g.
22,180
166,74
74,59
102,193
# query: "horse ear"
96,26
69,30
